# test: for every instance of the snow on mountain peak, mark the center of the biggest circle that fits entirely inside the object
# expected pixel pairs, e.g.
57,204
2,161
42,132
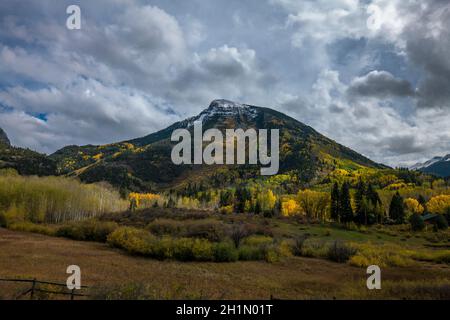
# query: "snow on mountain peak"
428,163
224,108
224,104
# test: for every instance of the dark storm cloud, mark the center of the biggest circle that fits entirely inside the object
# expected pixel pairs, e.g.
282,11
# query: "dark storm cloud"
428,47
380,84
402,144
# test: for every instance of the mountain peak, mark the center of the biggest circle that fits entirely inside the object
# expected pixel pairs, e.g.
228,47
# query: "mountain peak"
4,138
221,108
439,166
428,163
147,164
224,104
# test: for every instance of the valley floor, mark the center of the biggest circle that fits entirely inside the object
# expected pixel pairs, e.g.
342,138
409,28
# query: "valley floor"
112,273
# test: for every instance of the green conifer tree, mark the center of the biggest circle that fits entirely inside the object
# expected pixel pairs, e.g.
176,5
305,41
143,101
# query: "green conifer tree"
334,206
397,209
361,203
345,206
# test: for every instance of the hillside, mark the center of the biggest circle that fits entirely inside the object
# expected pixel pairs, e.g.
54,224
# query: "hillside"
145,164
25,161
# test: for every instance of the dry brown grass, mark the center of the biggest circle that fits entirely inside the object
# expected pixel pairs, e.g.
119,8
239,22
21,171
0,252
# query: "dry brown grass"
26,255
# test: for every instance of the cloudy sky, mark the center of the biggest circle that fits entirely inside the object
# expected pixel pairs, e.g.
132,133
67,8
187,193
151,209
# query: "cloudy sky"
372,74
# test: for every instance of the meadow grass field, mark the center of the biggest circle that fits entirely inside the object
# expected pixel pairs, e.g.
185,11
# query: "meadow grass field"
282,258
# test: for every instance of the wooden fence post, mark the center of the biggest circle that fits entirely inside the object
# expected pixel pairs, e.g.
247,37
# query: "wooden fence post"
32,289
35,288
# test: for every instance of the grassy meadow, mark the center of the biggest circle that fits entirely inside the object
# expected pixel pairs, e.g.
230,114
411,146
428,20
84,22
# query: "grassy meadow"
231,244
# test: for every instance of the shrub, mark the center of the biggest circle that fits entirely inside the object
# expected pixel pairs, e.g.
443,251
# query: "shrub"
359,261
33,227
264,248
243,230
211,230
255,247
248,253
14,214
340,252
136,241
202,250
237,234
226,210
187,249
164,248
142,242
89,230
316,249
441,256
417,223
165,226
225,252
382,255
181,249
257,229
285,248
298,244
272,254
257,240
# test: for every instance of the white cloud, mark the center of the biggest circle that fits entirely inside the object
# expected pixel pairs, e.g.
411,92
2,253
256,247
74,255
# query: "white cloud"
118,78
224,72
87,112
324,21
369,126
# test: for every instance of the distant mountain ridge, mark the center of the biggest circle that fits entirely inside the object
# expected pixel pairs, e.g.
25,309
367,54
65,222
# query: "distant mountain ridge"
145,163
438,166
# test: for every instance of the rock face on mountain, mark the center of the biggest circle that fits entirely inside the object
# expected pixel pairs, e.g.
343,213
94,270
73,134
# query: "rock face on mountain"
4,138
145,163
438,166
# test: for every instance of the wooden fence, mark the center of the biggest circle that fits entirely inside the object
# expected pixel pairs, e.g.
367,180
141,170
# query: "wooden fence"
35,288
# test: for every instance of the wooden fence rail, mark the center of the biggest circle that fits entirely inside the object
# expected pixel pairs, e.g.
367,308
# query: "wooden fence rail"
35,288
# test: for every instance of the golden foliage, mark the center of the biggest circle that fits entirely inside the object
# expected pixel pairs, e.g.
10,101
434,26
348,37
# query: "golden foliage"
144,200
55,199
226,210
413,206
289,208
340,172
439,204
188,203
314,203
396,186
98,156
267,200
